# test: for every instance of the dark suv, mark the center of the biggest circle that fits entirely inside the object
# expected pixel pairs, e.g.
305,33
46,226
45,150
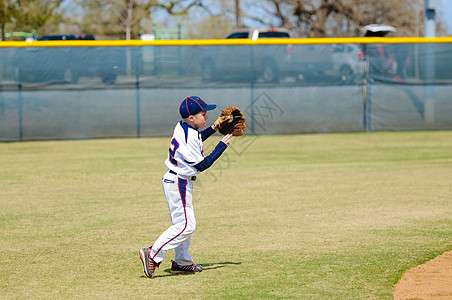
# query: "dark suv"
67,37
64,64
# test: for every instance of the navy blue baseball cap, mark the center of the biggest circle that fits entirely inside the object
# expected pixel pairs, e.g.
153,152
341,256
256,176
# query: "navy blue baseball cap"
193,105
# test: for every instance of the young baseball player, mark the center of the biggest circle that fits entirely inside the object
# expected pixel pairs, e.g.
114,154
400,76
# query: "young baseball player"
185,161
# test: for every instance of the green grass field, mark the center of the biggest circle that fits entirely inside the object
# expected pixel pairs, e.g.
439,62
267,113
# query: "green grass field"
329,216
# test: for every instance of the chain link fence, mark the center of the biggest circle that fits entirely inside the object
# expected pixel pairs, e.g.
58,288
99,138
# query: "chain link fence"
99,89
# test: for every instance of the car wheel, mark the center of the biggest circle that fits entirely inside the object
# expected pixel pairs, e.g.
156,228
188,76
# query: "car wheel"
270,72
346,74
311,77
109,78
208,70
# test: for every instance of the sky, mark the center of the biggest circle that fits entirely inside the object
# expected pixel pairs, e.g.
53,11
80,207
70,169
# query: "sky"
446,10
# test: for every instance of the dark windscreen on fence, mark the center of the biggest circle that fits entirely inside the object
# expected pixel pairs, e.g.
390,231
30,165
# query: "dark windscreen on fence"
134,91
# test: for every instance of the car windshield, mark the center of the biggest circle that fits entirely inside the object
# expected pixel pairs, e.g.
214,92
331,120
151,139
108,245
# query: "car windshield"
238,35
273,34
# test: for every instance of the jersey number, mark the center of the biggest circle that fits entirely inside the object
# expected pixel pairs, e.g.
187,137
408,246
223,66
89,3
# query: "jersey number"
172,151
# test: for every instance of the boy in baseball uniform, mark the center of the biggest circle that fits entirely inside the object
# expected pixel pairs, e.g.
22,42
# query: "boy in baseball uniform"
185,161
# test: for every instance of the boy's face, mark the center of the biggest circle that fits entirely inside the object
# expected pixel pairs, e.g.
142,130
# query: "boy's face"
199,120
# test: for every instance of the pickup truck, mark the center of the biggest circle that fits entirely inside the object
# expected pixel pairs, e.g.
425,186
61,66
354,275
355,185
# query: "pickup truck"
269,63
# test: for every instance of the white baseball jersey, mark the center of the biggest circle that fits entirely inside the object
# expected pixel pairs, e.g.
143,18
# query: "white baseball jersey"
185,150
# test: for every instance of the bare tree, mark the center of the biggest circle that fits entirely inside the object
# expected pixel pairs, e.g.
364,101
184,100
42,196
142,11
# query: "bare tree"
129,13
323,18
123,18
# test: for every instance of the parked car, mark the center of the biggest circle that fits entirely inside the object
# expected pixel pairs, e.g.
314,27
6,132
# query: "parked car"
380,57
347,62
67,37
349,59
255,34
377,30
269,62
65,64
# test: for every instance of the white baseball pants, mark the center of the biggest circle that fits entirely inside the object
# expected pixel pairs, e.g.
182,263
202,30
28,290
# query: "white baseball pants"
178,193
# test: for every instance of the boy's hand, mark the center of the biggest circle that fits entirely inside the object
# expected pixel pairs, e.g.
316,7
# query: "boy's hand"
227,139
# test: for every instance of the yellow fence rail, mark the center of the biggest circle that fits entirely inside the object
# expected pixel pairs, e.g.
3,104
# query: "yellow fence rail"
215,42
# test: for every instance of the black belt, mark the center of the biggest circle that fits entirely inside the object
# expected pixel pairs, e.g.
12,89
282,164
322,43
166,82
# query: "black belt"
192,178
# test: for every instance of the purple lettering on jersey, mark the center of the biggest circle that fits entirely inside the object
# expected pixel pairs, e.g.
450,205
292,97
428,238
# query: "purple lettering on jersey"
172,151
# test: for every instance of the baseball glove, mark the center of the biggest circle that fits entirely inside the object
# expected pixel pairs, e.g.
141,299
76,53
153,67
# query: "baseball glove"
231,120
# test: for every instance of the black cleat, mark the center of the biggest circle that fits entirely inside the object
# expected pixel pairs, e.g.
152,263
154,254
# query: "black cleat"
178,269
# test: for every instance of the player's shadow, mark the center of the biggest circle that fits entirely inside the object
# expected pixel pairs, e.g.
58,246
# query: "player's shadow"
208,266
205,267
212,266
